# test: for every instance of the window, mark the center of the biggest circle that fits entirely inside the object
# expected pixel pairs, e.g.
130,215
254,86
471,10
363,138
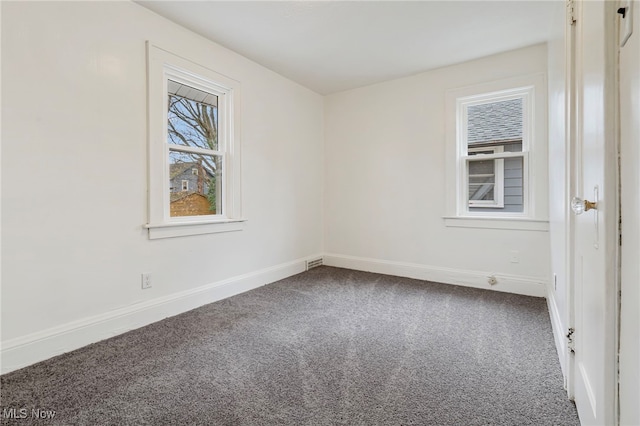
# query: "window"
192,137
494,163
194,155
492,138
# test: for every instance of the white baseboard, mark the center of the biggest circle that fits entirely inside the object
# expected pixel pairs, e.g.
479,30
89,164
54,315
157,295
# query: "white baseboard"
529,286
26,350
558,329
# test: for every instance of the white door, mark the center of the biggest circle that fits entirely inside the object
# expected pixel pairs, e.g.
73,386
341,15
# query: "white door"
595,231
630,195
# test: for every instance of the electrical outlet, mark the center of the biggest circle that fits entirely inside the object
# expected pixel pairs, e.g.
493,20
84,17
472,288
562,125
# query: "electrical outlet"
514,256
146,280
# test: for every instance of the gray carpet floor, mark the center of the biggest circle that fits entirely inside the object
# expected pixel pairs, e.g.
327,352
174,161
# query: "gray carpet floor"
327,347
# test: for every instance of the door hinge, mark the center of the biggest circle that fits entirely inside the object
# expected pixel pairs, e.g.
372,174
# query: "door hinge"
570,343
571,12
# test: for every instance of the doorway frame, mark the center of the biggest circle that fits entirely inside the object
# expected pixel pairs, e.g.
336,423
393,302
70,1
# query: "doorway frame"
574,54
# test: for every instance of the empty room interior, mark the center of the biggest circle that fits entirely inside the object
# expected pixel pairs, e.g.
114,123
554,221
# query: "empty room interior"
320,212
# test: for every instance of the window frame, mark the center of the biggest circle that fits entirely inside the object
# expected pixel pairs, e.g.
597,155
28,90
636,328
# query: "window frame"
525,93
162,66
534,217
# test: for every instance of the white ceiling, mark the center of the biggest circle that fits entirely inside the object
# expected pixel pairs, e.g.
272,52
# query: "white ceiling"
330,46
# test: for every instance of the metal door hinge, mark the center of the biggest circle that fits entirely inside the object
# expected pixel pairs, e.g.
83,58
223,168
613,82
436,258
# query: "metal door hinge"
571,12
570,343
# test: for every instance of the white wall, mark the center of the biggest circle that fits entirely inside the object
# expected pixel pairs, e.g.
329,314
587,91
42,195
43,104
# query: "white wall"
385,183
74,186
558,193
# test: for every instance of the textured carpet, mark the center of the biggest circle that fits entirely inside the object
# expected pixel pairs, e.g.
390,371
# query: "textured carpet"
330,346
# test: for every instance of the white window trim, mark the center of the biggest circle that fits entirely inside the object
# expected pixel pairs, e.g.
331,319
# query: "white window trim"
183,185
161,66
535,215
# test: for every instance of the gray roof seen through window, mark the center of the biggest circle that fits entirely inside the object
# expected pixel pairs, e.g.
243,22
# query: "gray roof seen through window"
495,121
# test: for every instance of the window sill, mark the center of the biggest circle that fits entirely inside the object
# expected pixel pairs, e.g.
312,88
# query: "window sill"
183,229
511,223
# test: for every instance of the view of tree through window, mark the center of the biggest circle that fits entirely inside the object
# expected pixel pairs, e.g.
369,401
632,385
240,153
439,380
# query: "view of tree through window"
195,162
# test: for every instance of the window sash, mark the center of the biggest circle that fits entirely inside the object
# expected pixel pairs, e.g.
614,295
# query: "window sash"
498,202
496,156
182,77
464,204
219,190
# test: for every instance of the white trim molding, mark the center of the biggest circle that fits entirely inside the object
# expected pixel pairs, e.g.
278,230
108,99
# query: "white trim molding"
557,329
26,350
164,66
170,230
517,224
529,286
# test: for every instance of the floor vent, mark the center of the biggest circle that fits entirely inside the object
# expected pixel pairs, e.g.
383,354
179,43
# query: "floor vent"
314,263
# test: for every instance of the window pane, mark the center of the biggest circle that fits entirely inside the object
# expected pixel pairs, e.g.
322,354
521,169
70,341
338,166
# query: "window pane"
192,117
482,180
513,147
495,124
195,184
486,194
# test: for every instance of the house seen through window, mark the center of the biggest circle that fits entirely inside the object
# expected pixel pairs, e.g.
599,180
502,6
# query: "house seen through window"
195,162
493,156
